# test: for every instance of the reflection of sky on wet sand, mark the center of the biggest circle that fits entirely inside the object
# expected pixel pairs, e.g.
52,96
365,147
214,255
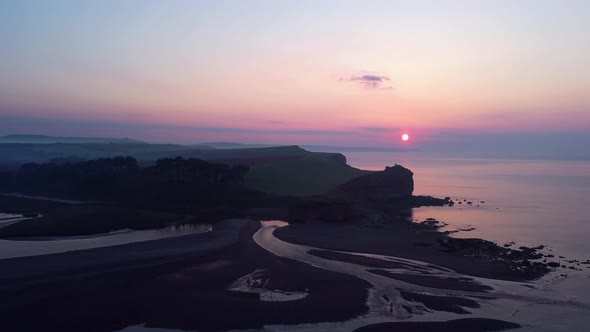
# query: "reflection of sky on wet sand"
42,246
534,305
9,219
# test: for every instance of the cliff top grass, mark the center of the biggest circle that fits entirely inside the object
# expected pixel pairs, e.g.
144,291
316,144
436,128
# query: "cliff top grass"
313,174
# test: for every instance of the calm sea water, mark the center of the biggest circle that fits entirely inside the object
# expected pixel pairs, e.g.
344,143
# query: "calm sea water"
530,202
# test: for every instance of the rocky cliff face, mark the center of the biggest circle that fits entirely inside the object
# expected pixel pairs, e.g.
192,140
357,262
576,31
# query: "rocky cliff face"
338,157
393,183
376,197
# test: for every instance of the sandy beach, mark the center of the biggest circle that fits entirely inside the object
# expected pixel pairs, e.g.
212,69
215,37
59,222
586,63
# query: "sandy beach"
427,289
180,283
275,283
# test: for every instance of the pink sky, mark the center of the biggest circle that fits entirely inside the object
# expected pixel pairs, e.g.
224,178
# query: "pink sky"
295,72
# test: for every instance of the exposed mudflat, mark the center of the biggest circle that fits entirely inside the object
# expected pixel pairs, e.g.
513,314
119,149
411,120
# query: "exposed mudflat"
467,324
241,276
186,283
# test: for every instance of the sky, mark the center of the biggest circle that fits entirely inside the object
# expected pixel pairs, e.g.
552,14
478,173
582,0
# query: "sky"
347,73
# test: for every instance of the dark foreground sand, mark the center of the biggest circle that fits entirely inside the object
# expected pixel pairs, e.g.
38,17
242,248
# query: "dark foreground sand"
405,241
178,283
16,204
467,324
183,283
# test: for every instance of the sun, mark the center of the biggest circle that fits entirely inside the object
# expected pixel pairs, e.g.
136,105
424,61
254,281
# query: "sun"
405,137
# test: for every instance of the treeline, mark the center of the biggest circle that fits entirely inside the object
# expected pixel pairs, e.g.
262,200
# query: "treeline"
171,181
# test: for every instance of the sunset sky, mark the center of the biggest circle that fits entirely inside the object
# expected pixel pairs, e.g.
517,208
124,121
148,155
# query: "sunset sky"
340,72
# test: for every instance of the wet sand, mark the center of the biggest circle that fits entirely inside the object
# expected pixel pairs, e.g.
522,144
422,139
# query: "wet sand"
16,204
51,199
26,247
241,277
425,295
452,283
400,240
441,303
468,324
182,283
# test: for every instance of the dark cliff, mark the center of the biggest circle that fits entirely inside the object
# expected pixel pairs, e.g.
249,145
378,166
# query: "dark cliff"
393,183
367,196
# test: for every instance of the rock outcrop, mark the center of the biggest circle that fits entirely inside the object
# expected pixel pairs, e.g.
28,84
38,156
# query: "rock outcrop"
393,183
375,197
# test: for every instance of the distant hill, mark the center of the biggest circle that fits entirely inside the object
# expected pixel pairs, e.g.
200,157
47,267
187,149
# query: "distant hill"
20,153
288,170
53,139
327,148
313,148
231,145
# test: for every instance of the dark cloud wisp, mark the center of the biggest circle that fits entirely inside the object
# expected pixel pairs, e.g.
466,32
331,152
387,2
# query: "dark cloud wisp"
370,81
379,130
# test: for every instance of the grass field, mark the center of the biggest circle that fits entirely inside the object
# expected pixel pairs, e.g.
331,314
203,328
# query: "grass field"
313,174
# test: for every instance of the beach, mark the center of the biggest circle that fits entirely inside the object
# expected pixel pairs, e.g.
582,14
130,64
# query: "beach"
180,283
188,282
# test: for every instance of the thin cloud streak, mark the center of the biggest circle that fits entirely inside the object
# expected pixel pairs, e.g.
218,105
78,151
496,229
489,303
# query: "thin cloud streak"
379,130
369,81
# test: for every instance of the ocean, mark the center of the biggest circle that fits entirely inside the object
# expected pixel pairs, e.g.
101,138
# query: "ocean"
528,202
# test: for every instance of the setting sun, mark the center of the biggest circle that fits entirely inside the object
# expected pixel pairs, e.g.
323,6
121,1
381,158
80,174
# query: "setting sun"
405,137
